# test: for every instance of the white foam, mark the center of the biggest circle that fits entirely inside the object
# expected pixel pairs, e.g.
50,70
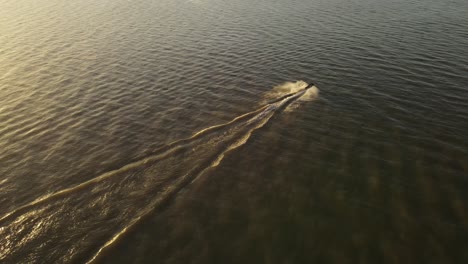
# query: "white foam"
290,87
311,94
282,90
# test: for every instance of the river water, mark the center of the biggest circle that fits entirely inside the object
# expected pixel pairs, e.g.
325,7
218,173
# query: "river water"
212,131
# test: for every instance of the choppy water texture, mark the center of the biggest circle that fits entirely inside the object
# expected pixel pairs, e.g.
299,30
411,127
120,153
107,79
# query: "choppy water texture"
164,132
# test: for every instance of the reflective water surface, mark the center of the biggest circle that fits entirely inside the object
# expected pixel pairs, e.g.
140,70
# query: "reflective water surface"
177,131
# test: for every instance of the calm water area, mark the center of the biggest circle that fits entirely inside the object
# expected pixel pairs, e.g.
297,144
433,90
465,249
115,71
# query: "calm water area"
241,131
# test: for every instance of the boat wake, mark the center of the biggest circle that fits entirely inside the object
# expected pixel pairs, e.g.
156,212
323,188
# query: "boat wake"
90,217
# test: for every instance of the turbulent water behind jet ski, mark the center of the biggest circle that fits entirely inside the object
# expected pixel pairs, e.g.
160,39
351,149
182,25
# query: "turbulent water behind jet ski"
67,225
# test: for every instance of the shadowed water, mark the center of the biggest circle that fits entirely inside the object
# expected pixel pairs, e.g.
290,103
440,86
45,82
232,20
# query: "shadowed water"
372,171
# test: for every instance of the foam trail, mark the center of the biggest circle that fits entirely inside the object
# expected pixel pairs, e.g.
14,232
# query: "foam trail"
310,94
92,216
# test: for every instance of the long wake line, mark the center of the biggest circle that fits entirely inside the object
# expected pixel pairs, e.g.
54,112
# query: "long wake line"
69,224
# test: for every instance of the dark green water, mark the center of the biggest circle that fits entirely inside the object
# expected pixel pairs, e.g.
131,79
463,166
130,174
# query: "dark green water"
373,170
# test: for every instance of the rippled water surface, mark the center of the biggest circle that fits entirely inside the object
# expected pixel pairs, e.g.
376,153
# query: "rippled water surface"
162,131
